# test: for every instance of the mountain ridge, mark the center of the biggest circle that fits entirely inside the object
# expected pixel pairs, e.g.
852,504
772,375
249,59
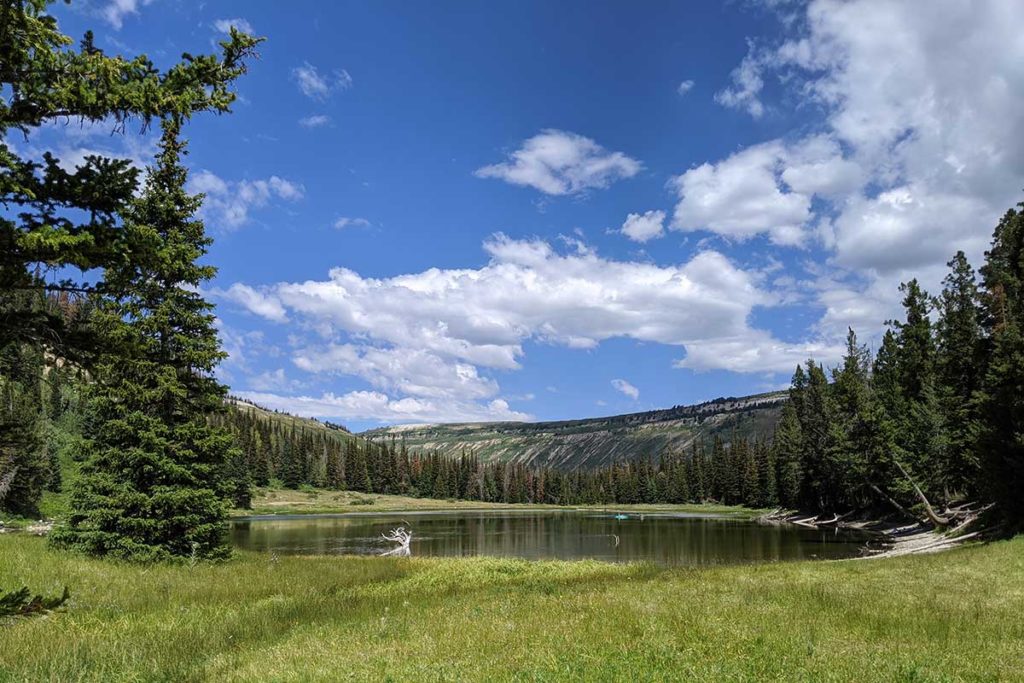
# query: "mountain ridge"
596,441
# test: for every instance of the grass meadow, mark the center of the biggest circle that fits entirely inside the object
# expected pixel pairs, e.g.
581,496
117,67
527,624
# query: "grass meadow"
955,616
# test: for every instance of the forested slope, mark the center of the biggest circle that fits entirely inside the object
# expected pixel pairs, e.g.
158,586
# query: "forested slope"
600,441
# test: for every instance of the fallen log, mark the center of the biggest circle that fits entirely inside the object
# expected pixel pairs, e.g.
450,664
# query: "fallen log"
933,516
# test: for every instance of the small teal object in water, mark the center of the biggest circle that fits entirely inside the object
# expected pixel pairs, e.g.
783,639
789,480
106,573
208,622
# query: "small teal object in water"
621,516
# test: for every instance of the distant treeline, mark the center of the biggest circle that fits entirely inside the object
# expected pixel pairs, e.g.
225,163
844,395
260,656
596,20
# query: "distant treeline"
288,454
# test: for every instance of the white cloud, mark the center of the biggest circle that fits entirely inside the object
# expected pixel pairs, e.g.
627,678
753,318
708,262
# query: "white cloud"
314,121
626,388
644,227
374,405
742,196
918,151
756,351
260,303
225,25
227,203
348,222
528,291
410,371
685,87
747,85
271,380
115,11
318,86
559,163
816,166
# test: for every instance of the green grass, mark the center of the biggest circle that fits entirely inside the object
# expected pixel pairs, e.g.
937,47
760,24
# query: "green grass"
270,501
949,617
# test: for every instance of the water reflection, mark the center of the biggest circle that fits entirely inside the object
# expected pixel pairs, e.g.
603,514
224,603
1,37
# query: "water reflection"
662,538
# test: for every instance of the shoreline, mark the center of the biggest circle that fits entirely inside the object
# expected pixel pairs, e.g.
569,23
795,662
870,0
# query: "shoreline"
898,536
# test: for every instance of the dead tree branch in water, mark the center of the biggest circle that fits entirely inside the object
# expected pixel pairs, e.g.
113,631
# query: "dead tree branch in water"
400,536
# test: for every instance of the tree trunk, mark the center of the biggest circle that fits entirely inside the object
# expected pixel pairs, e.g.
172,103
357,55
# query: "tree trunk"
929,510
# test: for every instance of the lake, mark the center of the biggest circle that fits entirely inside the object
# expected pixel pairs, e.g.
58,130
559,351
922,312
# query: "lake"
664,538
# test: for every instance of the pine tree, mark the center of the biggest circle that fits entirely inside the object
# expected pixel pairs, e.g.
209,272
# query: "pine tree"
959,369
237,479
814,427
55,401
67,215
845,464
918,422
24,467
1000,428
787,445
153,486
766,477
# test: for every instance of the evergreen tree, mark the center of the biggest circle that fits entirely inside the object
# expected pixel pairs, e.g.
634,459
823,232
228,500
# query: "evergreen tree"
55,402
24,466
814,427
1000,404
787,445
845,465
918,421
959,369
153,485
766,475
67,216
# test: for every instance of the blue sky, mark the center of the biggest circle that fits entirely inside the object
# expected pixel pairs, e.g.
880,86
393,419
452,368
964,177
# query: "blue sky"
532,210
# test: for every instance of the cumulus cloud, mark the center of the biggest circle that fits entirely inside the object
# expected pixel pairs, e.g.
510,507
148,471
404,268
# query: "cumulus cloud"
557,162
644,227
318,86
260,303
227,203
742,196
756,351
314,121
922,104
377,406
239,24
423,340
918,150
528,291
409,371
626,388
685,87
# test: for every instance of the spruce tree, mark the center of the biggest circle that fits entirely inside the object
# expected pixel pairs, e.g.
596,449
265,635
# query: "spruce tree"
1000,435
959,370
153,486
766,475
24,466
814,427
845,459
787,445
68,215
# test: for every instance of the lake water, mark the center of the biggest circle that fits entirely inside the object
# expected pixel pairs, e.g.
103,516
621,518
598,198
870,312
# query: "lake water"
670,539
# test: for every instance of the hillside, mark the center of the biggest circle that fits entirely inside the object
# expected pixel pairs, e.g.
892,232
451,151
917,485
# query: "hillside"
287,420
594,442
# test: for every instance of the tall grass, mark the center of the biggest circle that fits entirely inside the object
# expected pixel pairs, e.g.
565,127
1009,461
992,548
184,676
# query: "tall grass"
949,617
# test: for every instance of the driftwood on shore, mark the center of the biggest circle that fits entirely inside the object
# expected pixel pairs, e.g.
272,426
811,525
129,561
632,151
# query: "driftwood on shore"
896,536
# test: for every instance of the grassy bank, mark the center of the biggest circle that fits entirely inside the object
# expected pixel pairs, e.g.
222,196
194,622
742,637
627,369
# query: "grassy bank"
954,616
320,501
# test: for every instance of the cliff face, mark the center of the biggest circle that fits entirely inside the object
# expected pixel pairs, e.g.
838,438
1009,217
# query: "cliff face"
597,441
